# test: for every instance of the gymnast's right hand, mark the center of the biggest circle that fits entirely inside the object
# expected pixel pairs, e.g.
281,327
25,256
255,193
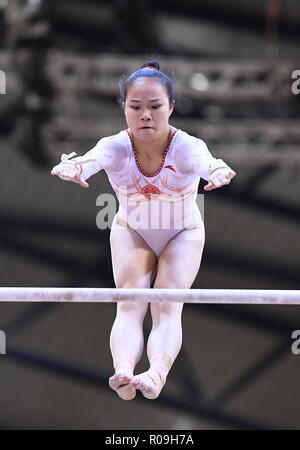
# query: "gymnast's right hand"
69,171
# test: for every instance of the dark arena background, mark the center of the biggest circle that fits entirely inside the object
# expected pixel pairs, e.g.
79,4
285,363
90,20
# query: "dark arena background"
235,64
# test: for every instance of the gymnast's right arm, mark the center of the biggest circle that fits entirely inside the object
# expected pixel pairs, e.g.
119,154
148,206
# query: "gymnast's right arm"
103,156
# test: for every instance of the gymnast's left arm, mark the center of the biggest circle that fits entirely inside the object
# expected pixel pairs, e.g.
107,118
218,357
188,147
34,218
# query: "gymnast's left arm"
199,161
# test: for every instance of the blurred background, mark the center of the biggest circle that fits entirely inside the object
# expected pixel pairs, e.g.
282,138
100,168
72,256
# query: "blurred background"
233,62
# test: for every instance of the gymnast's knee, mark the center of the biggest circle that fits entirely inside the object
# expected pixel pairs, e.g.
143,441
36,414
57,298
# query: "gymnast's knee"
169,309
142,282
132,310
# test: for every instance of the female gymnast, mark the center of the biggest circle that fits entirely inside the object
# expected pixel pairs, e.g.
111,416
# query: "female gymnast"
155,171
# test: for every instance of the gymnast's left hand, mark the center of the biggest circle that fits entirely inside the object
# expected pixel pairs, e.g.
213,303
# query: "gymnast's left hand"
219,178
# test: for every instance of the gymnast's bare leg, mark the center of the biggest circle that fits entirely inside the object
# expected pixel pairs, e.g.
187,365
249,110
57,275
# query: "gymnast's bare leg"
134,266
178,266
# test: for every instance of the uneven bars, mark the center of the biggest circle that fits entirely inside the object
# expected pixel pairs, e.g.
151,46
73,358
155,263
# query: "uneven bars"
107,295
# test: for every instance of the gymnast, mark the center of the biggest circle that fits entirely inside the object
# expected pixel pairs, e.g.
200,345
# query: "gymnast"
150,164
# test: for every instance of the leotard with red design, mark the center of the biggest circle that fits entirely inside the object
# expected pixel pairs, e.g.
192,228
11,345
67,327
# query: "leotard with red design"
157,205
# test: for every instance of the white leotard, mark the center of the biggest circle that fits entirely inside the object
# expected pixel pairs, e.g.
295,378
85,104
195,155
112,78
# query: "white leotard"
156,207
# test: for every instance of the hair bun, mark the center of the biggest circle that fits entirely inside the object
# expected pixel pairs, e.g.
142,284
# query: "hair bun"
153,64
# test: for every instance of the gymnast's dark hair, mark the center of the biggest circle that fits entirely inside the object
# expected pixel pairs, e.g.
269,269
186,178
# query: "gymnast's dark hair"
149,70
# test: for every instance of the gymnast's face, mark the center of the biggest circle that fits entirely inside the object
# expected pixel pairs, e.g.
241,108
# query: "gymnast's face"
147,109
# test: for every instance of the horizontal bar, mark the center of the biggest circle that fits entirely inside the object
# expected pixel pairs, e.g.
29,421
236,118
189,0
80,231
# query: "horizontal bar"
106,295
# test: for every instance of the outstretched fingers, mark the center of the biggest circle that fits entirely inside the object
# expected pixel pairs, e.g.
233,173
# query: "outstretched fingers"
83,183
78,179
67,174
219,178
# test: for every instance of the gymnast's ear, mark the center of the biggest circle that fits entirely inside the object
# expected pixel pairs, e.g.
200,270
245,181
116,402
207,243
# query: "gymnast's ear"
171,107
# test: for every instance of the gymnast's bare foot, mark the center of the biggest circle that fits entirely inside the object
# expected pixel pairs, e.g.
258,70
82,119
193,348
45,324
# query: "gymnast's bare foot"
119,382
148,383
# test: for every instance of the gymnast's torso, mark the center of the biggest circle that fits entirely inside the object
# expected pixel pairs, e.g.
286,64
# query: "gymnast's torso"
157,206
